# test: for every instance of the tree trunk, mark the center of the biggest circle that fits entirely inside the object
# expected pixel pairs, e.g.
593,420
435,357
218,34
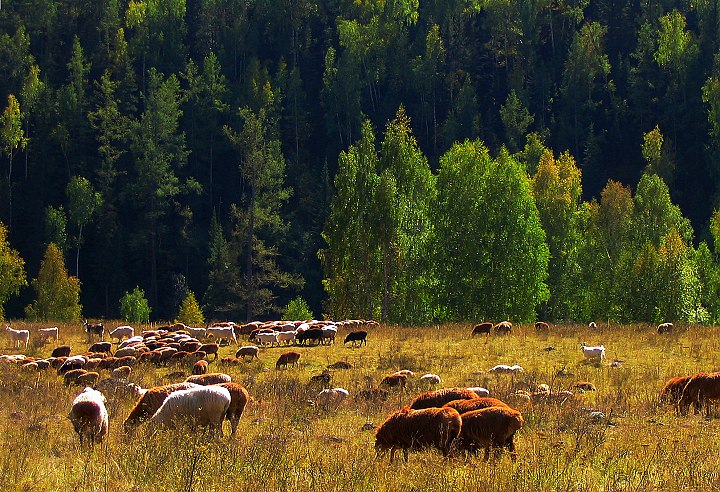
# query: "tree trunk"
249,257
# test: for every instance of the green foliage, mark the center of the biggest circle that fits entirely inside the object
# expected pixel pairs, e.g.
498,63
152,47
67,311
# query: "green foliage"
134,307
190,312
12,271
57,293
516,119
56,227
298,309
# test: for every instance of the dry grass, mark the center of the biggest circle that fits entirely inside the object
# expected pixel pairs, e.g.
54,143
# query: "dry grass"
284,443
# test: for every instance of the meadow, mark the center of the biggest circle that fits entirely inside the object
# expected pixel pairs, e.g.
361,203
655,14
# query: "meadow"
285,443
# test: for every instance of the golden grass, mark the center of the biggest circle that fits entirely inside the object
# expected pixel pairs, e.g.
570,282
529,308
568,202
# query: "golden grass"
284,443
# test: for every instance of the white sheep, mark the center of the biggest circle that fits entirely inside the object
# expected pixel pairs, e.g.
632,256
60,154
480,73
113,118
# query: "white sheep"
121,332
481,392
430,378
89,416
134,340
593,353
505,369
286,336
204,406
221,332
18,336
331,397
197,332
267,337
45,333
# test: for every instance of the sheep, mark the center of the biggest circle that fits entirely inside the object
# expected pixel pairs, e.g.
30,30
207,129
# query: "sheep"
89,416
267,338
63,351
672,391
133,340
356,336
373,394
197,332
315,334
593,353
221,333
404,372
210,348
502,328
200,367
464,406
91,330
286,336
150,402
438,398
287,358
122,372
205,406
492,427
18,336
482,329
74,362
248,350
125,351
409,429
111,385
71,376
331,397
238,400
329,333
505,369
87,379
105,347
541,326
46,333
323,378
584,386
479,391
121,332
592,325
430,379
208,379
394,380
341,364
665,328
699,389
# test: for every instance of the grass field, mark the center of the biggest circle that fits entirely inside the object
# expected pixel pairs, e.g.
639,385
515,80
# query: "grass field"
284,443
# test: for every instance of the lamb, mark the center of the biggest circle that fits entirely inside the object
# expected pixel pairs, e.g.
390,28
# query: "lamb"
91,330
204,406
200,367
672,391
430,379
238,400
248,350
593,353
699,389
438,398
46,333
464,406
287,358
665,328
105,347
18,336
331,397
482,329
89,416
150,402
492,427
208,379
394,380
409,429
356,336
502,328
221,333
63,351
121,332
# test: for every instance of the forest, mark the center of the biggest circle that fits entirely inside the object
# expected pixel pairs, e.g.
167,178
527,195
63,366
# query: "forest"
405,160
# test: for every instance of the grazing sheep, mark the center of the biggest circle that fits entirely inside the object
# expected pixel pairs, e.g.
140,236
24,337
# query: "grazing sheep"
266,338
200,367
394,380
356,336
248,350
373,394
210,348
464,406
122,372
91,330
119,386
314,334
492,427
542,326
341,364
150,402
18,336
672,391
479,391
46,333
323,378
71,376
221,333
74,362
125,351
87,379
593,353
121,332
482,329
89,416
409,429
238,400
196,332
505,369
204,406
585,386
405,372
208,379
438,398
63,351
699,389
430,379
286,336
665,328
592,325
502,328
104,347
331,397
287,358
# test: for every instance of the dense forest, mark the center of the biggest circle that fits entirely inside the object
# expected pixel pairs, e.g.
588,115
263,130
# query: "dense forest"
401,159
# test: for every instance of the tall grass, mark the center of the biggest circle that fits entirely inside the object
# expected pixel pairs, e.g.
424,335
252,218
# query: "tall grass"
286,443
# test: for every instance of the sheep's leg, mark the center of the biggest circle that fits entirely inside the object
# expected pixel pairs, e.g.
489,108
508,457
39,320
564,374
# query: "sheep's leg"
392,454
406,453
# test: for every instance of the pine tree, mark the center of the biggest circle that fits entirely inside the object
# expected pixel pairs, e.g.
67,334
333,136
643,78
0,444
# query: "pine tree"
58,294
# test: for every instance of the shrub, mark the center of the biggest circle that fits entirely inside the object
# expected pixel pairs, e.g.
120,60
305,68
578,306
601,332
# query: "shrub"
190,312
298,309
134,308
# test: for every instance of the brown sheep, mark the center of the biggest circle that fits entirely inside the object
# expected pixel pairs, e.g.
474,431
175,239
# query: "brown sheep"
87,379
191,346
585,386
248,350
210,348
200,367
63,351
482,328
665,328
409,429
208,379
72,375
122,372
672,391
104,347
287,358
394,380
438,398
699,389
542,326
341,364
238,400
150,402
502,328
465,406
373,394
492,427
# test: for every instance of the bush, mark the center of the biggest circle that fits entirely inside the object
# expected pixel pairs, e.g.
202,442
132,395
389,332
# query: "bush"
190,312
134,308
298,309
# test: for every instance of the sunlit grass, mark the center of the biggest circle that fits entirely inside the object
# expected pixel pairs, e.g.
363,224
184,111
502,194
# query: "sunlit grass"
285,443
